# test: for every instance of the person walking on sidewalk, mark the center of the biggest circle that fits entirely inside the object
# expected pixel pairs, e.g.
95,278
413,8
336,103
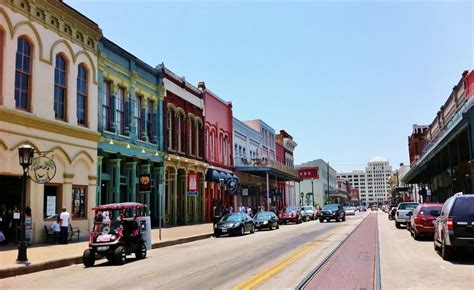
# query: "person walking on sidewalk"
65,220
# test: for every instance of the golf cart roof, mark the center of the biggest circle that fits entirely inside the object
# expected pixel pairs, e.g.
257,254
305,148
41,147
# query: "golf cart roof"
121,205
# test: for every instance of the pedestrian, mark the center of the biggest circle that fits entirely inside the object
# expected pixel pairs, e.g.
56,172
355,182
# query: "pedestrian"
65,220
231,209
56,229
106,218
217,214
242,208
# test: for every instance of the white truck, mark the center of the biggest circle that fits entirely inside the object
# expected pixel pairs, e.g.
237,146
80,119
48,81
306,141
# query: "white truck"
402,215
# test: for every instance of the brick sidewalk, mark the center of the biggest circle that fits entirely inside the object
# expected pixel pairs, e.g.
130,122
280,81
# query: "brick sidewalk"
353,265
44,257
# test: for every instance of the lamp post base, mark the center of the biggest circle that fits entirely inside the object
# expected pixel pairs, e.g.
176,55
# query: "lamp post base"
22,252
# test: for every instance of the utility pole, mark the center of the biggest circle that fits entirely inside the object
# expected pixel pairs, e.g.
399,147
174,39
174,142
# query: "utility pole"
327,201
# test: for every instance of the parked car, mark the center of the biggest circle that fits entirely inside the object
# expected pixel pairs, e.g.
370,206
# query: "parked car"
349,210
291,214
234,224
332,211
392,211
266,220
308,212
362,208
401,216
121,237
454,228
423,218
374,207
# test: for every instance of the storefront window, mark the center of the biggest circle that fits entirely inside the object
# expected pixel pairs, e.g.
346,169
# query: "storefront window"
79,201
52,200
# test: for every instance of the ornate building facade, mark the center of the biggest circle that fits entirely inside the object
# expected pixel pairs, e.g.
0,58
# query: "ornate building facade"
131,126
48,100
185,167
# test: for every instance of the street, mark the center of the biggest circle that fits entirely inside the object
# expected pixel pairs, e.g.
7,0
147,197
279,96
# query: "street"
278,259
222,263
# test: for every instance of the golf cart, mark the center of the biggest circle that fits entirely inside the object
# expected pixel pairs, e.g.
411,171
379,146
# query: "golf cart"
119,229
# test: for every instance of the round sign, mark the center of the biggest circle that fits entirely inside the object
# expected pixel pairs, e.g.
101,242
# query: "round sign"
232,186
42,169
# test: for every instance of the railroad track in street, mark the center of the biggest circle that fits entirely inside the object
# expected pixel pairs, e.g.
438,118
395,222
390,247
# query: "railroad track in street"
325,265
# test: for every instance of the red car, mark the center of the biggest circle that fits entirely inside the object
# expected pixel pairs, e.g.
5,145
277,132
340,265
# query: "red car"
423,218
290,214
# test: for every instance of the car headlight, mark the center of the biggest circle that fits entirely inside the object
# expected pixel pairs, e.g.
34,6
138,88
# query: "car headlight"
265,222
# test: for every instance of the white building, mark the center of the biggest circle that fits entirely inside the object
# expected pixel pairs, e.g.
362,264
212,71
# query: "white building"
372,183
314,175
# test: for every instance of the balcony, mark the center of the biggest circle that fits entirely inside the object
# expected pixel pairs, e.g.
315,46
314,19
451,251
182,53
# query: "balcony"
263,165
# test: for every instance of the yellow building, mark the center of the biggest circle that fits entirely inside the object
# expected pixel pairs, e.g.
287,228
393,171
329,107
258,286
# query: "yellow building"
48,99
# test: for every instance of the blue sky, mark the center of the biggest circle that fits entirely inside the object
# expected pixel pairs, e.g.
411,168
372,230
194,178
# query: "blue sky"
346,79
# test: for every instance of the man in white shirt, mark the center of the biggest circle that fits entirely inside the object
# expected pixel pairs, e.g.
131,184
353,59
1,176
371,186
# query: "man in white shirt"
65,220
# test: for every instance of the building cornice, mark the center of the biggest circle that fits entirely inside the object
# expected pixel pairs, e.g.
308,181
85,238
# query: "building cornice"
32,121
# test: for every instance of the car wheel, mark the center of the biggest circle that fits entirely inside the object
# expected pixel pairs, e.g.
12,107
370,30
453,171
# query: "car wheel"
344,218
337,219
252,230
242,230
397,225
277,226
321,220
120,256
416,236
217,235
140,253
446,252
88,258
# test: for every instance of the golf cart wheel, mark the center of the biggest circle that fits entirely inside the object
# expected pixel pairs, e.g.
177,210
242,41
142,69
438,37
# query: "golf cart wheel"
141,252
120,256
88,258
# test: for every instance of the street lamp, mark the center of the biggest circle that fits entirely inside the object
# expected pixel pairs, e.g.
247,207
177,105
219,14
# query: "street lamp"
312,190
25,153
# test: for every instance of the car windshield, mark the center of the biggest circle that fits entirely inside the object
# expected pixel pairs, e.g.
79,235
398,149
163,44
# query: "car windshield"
263,215
290,209
430,210
331,207
464,206
408,205
232,218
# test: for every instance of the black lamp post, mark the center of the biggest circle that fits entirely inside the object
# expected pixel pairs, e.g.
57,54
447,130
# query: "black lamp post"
25,153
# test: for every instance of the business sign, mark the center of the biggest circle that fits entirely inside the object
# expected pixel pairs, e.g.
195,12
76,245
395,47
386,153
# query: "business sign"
309,173
192,182
42,169
50,205
144,183
232,186
245,192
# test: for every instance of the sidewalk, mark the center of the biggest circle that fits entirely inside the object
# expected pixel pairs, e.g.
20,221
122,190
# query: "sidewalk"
44,257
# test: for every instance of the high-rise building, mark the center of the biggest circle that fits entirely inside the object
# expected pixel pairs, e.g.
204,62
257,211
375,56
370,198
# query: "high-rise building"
372,183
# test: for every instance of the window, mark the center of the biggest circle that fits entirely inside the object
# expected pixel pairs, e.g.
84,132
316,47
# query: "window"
119,110
170,129
1,64
23,74
51,200
60,88
138,112
178,130
106,105
78,201
212,147
150,122
82,95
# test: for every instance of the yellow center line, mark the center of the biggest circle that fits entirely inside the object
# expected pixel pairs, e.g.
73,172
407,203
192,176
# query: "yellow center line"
283,263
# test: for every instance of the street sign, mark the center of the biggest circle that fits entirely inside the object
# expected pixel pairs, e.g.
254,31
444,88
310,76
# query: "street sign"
193,193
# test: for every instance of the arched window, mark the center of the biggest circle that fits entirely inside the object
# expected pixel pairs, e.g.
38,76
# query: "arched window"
82,95
60,88
23,74
170,128
1,64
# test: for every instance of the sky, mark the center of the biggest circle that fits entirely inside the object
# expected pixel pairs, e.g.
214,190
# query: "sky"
347,79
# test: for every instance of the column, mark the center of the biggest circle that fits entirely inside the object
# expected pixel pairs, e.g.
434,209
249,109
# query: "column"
157,177
99,181
131,173
145,169
268,191
113,194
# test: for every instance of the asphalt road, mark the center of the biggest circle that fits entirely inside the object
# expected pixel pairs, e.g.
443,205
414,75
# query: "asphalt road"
267,259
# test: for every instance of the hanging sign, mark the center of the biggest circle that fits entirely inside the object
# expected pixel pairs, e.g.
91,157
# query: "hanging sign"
192,182
144,183
42,169
232,186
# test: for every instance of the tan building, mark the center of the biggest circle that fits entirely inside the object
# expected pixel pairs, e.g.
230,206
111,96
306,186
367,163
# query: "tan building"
48,99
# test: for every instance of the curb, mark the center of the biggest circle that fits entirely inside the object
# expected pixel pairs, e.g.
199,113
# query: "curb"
22,269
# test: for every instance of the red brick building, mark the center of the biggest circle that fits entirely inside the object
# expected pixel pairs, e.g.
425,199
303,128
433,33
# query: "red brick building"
218,132
416,142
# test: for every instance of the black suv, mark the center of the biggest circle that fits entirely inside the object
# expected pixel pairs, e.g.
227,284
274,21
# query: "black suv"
332,211
454,228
